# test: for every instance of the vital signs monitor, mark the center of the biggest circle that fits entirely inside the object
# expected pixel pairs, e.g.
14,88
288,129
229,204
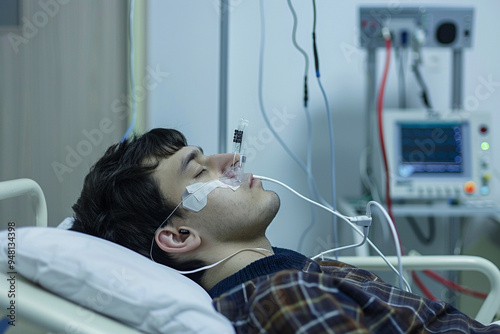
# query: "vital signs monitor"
437,155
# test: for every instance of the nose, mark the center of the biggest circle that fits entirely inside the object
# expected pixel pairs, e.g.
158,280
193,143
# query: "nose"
221,162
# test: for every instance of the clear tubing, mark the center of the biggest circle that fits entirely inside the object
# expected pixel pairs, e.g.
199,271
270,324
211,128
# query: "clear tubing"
132,77
239,147
238,138
332,154
310,178
332,159
294,39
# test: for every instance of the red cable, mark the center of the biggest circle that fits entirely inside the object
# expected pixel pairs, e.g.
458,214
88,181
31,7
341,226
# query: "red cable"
432,274
380,107
455,286
422,287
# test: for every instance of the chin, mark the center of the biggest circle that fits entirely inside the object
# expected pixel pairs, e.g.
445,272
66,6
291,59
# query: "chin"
273,205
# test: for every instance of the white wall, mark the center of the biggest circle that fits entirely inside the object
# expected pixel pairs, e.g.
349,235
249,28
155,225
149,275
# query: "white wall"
184,37
183,41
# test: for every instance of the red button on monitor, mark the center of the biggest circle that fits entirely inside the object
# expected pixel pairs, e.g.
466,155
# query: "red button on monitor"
470,187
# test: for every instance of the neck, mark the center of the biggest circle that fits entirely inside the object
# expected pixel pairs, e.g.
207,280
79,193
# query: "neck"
246,255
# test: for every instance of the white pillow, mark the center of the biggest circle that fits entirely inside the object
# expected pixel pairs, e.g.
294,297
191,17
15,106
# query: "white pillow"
114,281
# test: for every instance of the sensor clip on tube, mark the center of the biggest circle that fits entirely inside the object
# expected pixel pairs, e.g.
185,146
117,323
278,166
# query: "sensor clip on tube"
239,147
363,221
235,174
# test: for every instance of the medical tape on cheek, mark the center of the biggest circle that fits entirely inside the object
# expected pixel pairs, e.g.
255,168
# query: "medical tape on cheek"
195,196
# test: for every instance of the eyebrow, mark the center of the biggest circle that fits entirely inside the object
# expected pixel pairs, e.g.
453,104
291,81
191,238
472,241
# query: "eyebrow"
187,159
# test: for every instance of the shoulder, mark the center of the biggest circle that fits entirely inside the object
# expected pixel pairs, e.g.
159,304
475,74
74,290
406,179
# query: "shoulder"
288,288
284,297
344,270
340,269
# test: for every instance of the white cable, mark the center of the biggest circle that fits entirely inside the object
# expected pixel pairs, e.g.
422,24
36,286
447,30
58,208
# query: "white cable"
368,183
307,168
394,235
266,119
336,213
345,218
332,160
338,249
171,213
186,272
310,178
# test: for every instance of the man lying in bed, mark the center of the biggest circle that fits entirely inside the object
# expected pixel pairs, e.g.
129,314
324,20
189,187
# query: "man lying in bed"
137,184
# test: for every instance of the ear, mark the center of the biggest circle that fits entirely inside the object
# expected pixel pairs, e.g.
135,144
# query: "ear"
177,239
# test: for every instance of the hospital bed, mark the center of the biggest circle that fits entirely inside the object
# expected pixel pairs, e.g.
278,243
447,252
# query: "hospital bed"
69,282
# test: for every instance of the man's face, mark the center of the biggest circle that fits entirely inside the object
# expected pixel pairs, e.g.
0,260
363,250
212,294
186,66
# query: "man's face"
228,215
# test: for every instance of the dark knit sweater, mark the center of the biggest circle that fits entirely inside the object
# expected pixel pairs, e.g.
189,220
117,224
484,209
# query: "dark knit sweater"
282,259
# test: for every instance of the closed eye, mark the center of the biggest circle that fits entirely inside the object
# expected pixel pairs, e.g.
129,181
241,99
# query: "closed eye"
200,173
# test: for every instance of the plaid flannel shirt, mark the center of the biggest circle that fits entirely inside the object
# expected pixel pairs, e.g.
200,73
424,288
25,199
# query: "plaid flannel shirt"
336,298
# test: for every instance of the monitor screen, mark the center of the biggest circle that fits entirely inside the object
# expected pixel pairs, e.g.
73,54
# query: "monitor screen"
431,149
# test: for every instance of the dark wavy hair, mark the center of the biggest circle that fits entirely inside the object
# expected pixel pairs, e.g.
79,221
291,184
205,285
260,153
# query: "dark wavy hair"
122,202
